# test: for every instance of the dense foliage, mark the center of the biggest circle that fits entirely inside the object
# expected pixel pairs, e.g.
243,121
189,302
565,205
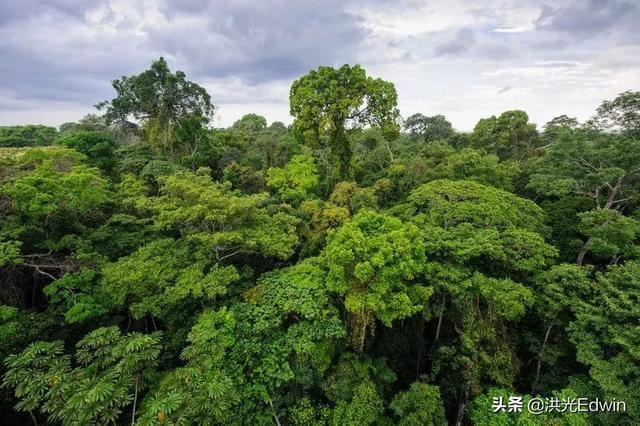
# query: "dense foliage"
351,269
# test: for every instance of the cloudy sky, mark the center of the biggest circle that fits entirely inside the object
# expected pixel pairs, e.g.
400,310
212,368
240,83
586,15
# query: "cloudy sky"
462,58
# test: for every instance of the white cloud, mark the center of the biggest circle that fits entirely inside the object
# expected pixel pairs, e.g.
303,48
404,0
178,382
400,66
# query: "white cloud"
406,19
521,29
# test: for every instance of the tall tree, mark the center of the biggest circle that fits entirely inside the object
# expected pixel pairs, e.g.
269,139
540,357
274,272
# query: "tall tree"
375,261
557,125
160,99
622,113
335,101
429,129
559,291
509,136
482,246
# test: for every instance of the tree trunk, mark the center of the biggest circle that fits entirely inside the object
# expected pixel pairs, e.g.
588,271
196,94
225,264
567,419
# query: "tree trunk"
33,418
135,400
341,151
614,192
275,415
465,397
583,251
534,388
389,150
359,324
440,319
611,200
363,336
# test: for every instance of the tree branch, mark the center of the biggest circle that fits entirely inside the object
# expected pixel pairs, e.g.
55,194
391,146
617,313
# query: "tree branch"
40,271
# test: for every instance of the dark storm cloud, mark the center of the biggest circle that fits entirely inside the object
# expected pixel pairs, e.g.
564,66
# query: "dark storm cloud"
81,75
254,41
274,39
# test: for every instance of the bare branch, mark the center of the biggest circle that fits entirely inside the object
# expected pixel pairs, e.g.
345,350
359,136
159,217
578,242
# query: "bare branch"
40,271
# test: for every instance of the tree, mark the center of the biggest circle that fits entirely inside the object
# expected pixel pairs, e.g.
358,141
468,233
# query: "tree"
365,408
30,135
245,141
76,296
88,123
160,99
332,272
204,226
51,202
283,335
321,217
336,101
191,136
111,371
440,161
276,145
99,147
559,291
612,235
483,247
509,136
296,180
294,318
374,261
305,412
606,336
622,113
49,195
429,129
201,392
8,323
250,125
419,405
557,125
355,386
603,172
